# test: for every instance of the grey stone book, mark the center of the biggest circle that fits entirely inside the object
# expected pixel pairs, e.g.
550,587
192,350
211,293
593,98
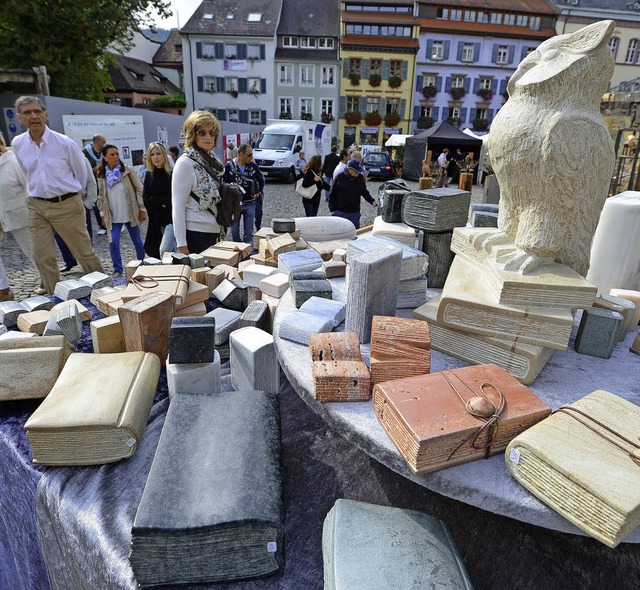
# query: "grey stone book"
414,261
37,303
436,209
98,280
71,289
325,308
301,261
226,320
299,326
221,476
367,547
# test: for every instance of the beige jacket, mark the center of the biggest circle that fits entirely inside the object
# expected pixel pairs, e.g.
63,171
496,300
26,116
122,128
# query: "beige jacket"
13,194
133,191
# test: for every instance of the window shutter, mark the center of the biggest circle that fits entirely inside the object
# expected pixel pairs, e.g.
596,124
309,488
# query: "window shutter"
405,69
460,48
243,115
222,115
366,66
490,114
242,50
263,51
363,104
219,49
263,117
242,85
476,85
383,106
463,115
403,107
523,53
472,115
447,84
503,86
200,84
419,83
439,83
220,84
511,54
466,84
386,68
416,113
447,48
343,106
199,50
494,86
345,70
435,112
476,51
263,85
429,48
494,53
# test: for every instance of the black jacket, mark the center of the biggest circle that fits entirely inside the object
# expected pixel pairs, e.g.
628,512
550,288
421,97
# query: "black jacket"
346,191
330,162
251,172
308,180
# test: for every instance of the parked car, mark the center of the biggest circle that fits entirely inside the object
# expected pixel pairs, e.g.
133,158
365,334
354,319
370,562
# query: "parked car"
378,164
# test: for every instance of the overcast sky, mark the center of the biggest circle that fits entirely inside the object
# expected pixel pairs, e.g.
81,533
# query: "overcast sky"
182,11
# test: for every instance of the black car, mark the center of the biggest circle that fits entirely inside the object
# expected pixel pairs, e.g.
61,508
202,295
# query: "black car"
378,164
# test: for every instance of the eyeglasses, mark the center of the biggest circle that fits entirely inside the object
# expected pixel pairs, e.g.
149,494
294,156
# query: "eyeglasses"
248,154
32,112
203,133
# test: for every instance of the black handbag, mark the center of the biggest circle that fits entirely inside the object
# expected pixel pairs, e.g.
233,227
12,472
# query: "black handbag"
229,207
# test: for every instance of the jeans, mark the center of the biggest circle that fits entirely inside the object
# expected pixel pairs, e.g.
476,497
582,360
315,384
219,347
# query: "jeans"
168,243
248,215
114,246
352,217
328,180
311,206
259,213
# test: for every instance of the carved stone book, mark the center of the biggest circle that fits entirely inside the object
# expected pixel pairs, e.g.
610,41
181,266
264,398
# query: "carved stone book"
170,278
583,462
429,418
95,414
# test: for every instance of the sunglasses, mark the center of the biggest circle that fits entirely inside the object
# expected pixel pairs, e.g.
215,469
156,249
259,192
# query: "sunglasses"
203,133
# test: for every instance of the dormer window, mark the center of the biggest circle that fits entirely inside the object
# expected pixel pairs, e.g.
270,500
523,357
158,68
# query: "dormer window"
208,16
254,17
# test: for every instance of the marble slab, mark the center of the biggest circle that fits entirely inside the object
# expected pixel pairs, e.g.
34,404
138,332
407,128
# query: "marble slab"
413,261
326,308
253,274
412,293
226,320
325,228
253,360
194,377
299,326
302,290
275,284
397,231
299,261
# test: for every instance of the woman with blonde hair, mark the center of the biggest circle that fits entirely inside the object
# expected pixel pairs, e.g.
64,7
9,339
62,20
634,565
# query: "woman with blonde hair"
120,203
310,176
156,196
195,185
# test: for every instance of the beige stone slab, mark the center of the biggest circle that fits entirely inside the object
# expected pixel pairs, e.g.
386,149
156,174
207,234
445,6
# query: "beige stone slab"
97,293
327,248
230,272
244,263
398,231
166,278
466,304
253,294
195,310
268,261
131,267
85,314
34,321
334,268
107,335
214,277
554,286
199,275
279,245
274,285
197,293
109,303
217,256
241,247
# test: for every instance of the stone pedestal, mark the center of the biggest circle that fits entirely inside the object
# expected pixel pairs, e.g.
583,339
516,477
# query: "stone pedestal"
438,248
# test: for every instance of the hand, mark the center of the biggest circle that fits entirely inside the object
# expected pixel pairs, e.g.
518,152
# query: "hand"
316,178
143,215
376,204
183,249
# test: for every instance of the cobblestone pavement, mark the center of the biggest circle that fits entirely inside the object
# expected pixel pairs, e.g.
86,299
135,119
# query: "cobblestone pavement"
280,201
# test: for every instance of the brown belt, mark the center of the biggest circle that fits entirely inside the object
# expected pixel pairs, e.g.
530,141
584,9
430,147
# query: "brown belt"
58,199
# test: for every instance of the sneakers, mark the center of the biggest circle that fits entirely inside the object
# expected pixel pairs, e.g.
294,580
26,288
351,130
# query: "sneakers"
7,295
102,232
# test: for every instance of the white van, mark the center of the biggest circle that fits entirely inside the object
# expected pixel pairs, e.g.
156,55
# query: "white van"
276,151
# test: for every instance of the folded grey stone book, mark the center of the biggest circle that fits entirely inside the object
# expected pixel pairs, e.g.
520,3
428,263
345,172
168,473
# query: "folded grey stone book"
212,508
368,547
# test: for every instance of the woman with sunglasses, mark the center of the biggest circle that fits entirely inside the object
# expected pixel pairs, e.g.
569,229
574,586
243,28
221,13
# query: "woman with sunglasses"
156,196
195,185
120,203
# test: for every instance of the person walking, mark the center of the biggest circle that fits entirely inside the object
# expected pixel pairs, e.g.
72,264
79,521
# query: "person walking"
156,196
93,153
120,203
300,165
331,160
347,189
56,176
342,164
312,176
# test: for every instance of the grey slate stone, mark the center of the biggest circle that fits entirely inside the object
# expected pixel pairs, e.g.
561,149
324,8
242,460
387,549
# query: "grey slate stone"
598,332
71,289
221,476
483,219
438,248
37,303
414,261
65,321
9,312
226,320
316,275
192,340
302,290
231,294
180,258
300,261
373,288
151,261
283,225
299,326
194,377
436,209
325,308
367,547
197,261
3,329
391,208
256,315
253,360
97,280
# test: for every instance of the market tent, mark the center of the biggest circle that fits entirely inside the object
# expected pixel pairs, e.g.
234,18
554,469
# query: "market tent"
441,135
396,140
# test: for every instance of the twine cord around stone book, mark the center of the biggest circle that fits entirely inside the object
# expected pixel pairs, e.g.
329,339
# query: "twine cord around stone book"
153,282
483,408
634,455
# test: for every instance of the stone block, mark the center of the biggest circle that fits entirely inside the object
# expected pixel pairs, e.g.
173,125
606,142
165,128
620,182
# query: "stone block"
299,326
413,261
325,228
341,381
33,321
65,321
438,247
253,361
302,290
598,332
253,294
227,320
131,267
274,285
483,219
192,311
327,248
279,245
37,303
256,315
412,293
214,277
491,190
339,254
335,346
180,258
167,258
281,225
302,261
71,289
203,378
199,275
216,256
230,272
391,205
231,295
436,209
151,261
253,274
628,312
629,295
192,340
267,261
243,264
107,335
97,280
197,260
13,335
326,308
334,268
396,231
85,314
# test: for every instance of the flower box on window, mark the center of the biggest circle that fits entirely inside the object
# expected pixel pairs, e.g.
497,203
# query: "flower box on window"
375,80
326,117
352,117
394,81
458,93
254,91
455,121
391,119
424,122
354,78
429,91
306,116
233,93
285,114
373,119
485,93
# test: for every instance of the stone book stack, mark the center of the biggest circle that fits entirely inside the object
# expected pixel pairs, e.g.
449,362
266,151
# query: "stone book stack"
365,546
95,415
429,420
339,375
582,462
400,348
222,477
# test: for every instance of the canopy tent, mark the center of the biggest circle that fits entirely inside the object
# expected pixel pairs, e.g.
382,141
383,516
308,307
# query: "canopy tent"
396,140
441,135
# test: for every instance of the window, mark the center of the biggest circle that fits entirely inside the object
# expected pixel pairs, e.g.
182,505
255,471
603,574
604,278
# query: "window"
454,112
509,19
428,80
325,43
467,52
285,104
483,17
308,42
470,16
178,47
534,23
503,54
613,45
456,14
482,114
443,13
253,84
326,106
437,50
253,51
306,106
230,50
395,67
485,83
208,51
631,51
377,30
234,115
353,104
393,105
289,41
328,76
355,65
306,75
457,82
285,75
522,20
496,18
207,16
426,111
232,84
376,67
209,84
373,104
254,17
254,117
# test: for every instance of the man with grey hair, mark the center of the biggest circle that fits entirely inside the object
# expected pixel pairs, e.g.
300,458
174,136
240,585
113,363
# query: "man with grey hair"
56,177
93,152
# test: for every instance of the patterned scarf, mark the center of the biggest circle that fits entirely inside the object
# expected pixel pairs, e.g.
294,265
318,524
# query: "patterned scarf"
209,171
113,176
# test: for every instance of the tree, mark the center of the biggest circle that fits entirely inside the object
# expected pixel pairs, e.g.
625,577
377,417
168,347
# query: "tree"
72,38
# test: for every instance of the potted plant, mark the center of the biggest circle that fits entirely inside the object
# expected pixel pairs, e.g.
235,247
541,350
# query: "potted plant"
375,79
458,93
394,81
429,91
455,121
233,93
306,116
254,90
373,119
480,124
354,77
391,119
485,93
285,114
326,117
424,122
232,56
352,117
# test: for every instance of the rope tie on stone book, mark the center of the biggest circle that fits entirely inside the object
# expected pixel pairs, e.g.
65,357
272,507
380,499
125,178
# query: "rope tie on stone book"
144,282
480,406
634,454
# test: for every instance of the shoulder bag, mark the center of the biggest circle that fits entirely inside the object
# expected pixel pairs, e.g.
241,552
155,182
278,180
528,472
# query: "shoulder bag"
307,192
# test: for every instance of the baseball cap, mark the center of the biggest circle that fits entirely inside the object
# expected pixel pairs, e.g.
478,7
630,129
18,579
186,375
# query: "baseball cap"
356,165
